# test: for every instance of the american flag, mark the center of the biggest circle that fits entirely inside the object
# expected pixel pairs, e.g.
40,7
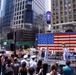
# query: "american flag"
54,41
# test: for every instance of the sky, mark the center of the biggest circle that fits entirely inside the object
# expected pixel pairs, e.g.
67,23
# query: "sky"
47,5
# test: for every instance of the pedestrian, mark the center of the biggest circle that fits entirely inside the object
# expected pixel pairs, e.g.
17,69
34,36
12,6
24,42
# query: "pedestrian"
44,69
16,66
53,70
67,70
0,63
33,62
9,68
58,69
3,63
65,52
39,65
25,60
23,69
31,71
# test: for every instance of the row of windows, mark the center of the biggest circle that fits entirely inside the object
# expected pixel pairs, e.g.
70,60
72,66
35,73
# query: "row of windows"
66,20
18,17
18,26
19,4
18,22
20,8
19,13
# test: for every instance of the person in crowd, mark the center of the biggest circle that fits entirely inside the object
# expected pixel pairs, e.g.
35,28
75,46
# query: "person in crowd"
25,60
67,70
3,62
31,71
58,69
65,52
9,68
23,70
33,62
39,65
44,69
16,66
0,63
53,70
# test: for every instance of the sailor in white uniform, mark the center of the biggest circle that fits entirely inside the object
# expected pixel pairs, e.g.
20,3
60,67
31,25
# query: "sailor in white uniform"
65,52
25,60
46,54
33,63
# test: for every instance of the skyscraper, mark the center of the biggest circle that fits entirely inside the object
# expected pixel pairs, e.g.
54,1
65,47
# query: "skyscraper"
63,15
0,4
38,7
22,17
7,14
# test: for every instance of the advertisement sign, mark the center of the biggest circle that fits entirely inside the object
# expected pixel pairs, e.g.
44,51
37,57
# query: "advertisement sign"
48,17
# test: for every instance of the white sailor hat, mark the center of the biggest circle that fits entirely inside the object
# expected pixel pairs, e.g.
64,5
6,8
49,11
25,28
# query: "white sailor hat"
25,56
34,56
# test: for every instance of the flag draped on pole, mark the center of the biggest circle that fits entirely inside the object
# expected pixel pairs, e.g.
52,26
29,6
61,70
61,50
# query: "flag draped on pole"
54,41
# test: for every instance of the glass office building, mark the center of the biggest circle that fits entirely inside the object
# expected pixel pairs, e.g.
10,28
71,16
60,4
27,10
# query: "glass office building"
7,15
38,7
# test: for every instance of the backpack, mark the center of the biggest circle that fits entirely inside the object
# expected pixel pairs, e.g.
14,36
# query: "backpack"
9,69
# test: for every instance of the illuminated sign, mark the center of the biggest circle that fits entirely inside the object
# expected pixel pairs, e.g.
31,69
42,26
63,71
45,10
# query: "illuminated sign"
48,17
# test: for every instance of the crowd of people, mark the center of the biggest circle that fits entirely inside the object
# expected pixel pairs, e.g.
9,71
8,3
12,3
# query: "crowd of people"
9,65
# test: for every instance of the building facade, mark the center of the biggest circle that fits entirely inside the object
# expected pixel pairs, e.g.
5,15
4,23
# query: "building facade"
22,17
63,15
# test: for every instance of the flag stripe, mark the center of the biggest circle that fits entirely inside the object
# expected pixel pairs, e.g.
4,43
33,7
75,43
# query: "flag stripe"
58,48
65,41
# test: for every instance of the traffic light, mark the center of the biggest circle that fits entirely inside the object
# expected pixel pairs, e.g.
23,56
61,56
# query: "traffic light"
12,47
10,36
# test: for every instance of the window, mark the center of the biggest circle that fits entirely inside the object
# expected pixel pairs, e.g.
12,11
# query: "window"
53,23
22,16
56,17
69,0
57,22
22,12
19,17
19,22
61,21
14,23
15,14
22,21
54,27
20,3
